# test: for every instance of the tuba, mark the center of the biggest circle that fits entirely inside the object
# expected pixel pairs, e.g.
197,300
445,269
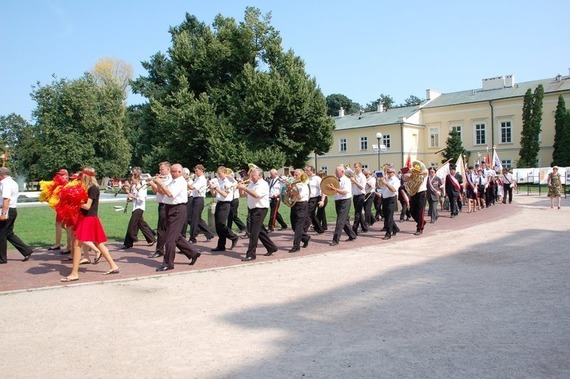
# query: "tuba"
331,179
419,173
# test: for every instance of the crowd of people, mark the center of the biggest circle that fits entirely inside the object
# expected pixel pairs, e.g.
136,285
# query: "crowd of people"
359,195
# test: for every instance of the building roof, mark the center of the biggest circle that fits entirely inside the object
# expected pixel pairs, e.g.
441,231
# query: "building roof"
517,90
368,119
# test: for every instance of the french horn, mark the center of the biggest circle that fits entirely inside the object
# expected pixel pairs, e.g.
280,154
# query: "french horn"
331,179
348,171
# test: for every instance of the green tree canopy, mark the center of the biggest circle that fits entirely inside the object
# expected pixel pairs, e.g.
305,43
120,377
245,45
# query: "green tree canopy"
78,123
386,100
454,148
532,119
229,94
561,153
13,129
336,100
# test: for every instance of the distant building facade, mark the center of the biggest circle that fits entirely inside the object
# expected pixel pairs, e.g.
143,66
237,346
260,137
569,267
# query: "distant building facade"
485,117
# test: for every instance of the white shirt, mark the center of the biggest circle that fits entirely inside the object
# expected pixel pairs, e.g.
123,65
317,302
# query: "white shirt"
262,190
140,201
360,179
200,186
370,184
394,182
344,184
223,185
315,186
177,188
160,198
275,186
303,190
9,189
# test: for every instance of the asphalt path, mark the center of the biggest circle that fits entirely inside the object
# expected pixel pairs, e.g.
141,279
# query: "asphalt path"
483,295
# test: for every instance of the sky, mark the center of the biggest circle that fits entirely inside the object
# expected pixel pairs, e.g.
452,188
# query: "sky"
358,48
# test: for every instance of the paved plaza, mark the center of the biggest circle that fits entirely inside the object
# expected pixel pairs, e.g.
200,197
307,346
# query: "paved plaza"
483,295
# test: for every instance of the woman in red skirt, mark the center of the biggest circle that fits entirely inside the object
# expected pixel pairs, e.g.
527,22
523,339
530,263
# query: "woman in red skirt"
88,229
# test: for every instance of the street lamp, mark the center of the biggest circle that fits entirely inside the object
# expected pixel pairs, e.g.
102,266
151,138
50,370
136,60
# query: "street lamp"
379,138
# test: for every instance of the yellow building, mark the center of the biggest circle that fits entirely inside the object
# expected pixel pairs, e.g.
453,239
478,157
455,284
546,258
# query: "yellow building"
485,117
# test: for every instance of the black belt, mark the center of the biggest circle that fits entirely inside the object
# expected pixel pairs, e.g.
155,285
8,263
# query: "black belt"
224,202
174,205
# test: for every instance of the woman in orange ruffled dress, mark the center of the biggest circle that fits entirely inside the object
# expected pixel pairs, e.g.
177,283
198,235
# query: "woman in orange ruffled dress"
88,229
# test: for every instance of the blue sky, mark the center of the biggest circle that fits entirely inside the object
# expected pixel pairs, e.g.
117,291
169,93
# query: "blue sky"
358,48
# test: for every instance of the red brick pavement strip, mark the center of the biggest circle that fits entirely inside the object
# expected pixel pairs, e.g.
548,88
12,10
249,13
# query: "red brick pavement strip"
46,268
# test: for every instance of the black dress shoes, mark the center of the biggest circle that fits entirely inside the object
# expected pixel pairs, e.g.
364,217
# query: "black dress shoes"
218,249
245,236
192,240
387,237
269,253
156,255
394,232
151,243
194,259
333,243
51,248
164,268
27,257
350,239
124,247
294,249
209,239
306,243
234,243
247,259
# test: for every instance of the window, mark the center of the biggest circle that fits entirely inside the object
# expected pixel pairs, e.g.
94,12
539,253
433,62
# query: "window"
342,144
507,163
364,166
457,128
506,132
363,143
324,169
386,140
433,137
480,138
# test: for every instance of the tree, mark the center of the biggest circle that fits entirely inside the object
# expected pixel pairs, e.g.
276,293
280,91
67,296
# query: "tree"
561,153
230,95
386,100
112,71
12,131
336,100
78,123
532,119
412,100
454,147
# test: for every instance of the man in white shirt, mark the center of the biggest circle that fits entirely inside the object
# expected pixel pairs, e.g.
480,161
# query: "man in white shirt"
137,194
199,189
358,189
299,212
369,195
389,185
315,197
342,197
165,178
257,193
9,190
275,186
175,198
223,189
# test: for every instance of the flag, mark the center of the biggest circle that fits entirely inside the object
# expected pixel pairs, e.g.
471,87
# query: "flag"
488,158
497,161
460,166
409,160
443,171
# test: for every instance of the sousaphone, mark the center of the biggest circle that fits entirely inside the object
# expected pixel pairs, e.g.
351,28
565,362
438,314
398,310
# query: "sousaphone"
325,185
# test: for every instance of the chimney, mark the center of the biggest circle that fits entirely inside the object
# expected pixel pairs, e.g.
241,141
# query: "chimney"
341,112
380,107
432,94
